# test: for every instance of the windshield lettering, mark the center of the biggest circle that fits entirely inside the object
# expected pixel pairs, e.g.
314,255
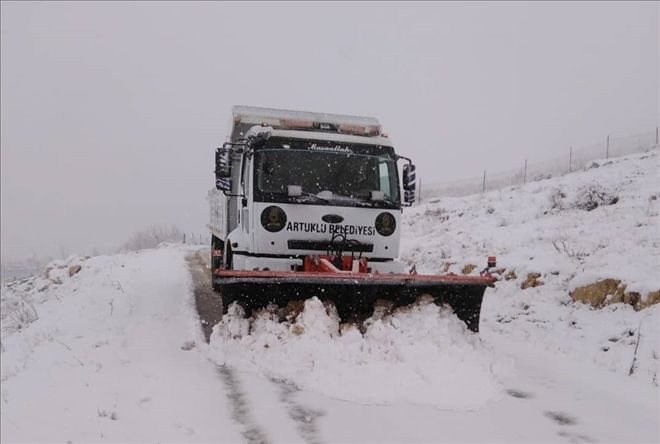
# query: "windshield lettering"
336,148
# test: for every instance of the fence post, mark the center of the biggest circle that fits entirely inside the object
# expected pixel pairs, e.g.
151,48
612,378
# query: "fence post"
184,238
483,185
607,153
570,159
525,173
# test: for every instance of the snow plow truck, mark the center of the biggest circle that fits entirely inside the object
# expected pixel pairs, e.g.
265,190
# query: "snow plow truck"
309,204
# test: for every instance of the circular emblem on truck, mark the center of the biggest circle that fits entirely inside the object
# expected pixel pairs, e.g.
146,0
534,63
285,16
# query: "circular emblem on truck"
332,218
385,224
273,219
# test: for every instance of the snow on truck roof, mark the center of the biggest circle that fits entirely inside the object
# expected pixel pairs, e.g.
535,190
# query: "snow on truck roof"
245,117
333,137
245,113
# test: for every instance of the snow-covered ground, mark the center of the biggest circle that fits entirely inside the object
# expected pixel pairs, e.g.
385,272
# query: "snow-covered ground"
115,352
107,358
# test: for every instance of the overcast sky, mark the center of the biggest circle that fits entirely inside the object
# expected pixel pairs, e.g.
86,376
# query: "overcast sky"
110,111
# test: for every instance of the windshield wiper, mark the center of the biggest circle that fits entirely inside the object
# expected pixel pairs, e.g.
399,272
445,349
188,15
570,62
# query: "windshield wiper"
314,196
366,198
302,195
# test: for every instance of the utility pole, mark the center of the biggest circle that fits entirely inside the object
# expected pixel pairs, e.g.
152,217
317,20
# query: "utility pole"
607,153
525,173
483,186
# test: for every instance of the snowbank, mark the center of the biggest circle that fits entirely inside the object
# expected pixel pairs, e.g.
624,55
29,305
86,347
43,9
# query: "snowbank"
422,354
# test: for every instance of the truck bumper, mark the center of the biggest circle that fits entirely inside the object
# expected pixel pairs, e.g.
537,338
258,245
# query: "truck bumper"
255,263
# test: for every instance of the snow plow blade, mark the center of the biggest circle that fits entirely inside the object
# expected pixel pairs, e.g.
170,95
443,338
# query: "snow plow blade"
354,294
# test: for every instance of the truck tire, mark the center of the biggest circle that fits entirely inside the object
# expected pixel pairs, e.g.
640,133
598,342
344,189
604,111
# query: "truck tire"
217,250
226,299
229,265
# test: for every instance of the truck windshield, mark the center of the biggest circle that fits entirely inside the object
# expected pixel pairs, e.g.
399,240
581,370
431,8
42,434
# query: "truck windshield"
343,174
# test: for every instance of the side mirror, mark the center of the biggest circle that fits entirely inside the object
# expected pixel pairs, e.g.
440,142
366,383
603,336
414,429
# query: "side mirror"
409,177
222,169
408,197
409,184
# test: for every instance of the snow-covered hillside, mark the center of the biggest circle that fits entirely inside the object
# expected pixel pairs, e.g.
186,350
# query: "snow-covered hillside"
574,230
110,348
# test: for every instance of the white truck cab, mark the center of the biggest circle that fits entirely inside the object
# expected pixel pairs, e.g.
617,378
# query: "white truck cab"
293,184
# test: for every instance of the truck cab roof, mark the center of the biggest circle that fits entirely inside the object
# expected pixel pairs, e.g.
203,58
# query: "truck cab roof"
333,137
342,127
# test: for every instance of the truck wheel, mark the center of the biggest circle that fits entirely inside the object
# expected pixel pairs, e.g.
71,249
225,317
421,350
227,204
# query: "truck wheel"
217,250
230,259
226,298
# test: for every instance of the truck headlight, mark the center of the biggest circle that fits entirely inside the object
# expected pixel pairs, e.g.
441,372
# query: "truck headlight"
385,224
273,219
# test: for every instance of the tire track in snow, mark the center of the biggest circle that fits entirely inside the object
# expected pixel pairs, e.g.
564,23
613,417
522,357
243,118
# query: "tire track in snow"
252,433
560,418
209,309
207,302
305,418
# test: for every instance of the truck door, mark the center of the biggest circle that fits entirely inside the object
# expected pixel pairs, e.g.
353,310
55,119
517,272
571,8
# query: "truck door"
245,191
233,206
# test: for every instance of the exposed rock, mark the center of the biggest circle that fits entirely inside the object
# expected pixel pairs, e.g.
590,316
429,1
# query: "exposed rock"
633,298
531,281
446,266
597,293
74,269
612,291
651,298
510,276
469,268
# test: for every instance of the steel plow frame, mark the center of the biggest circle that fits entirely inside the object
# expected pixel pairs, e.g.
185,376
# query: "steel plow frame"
353,293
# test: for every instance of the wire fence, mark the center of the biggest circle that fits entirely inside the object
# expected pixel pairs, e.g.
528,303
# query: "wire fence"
573,159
